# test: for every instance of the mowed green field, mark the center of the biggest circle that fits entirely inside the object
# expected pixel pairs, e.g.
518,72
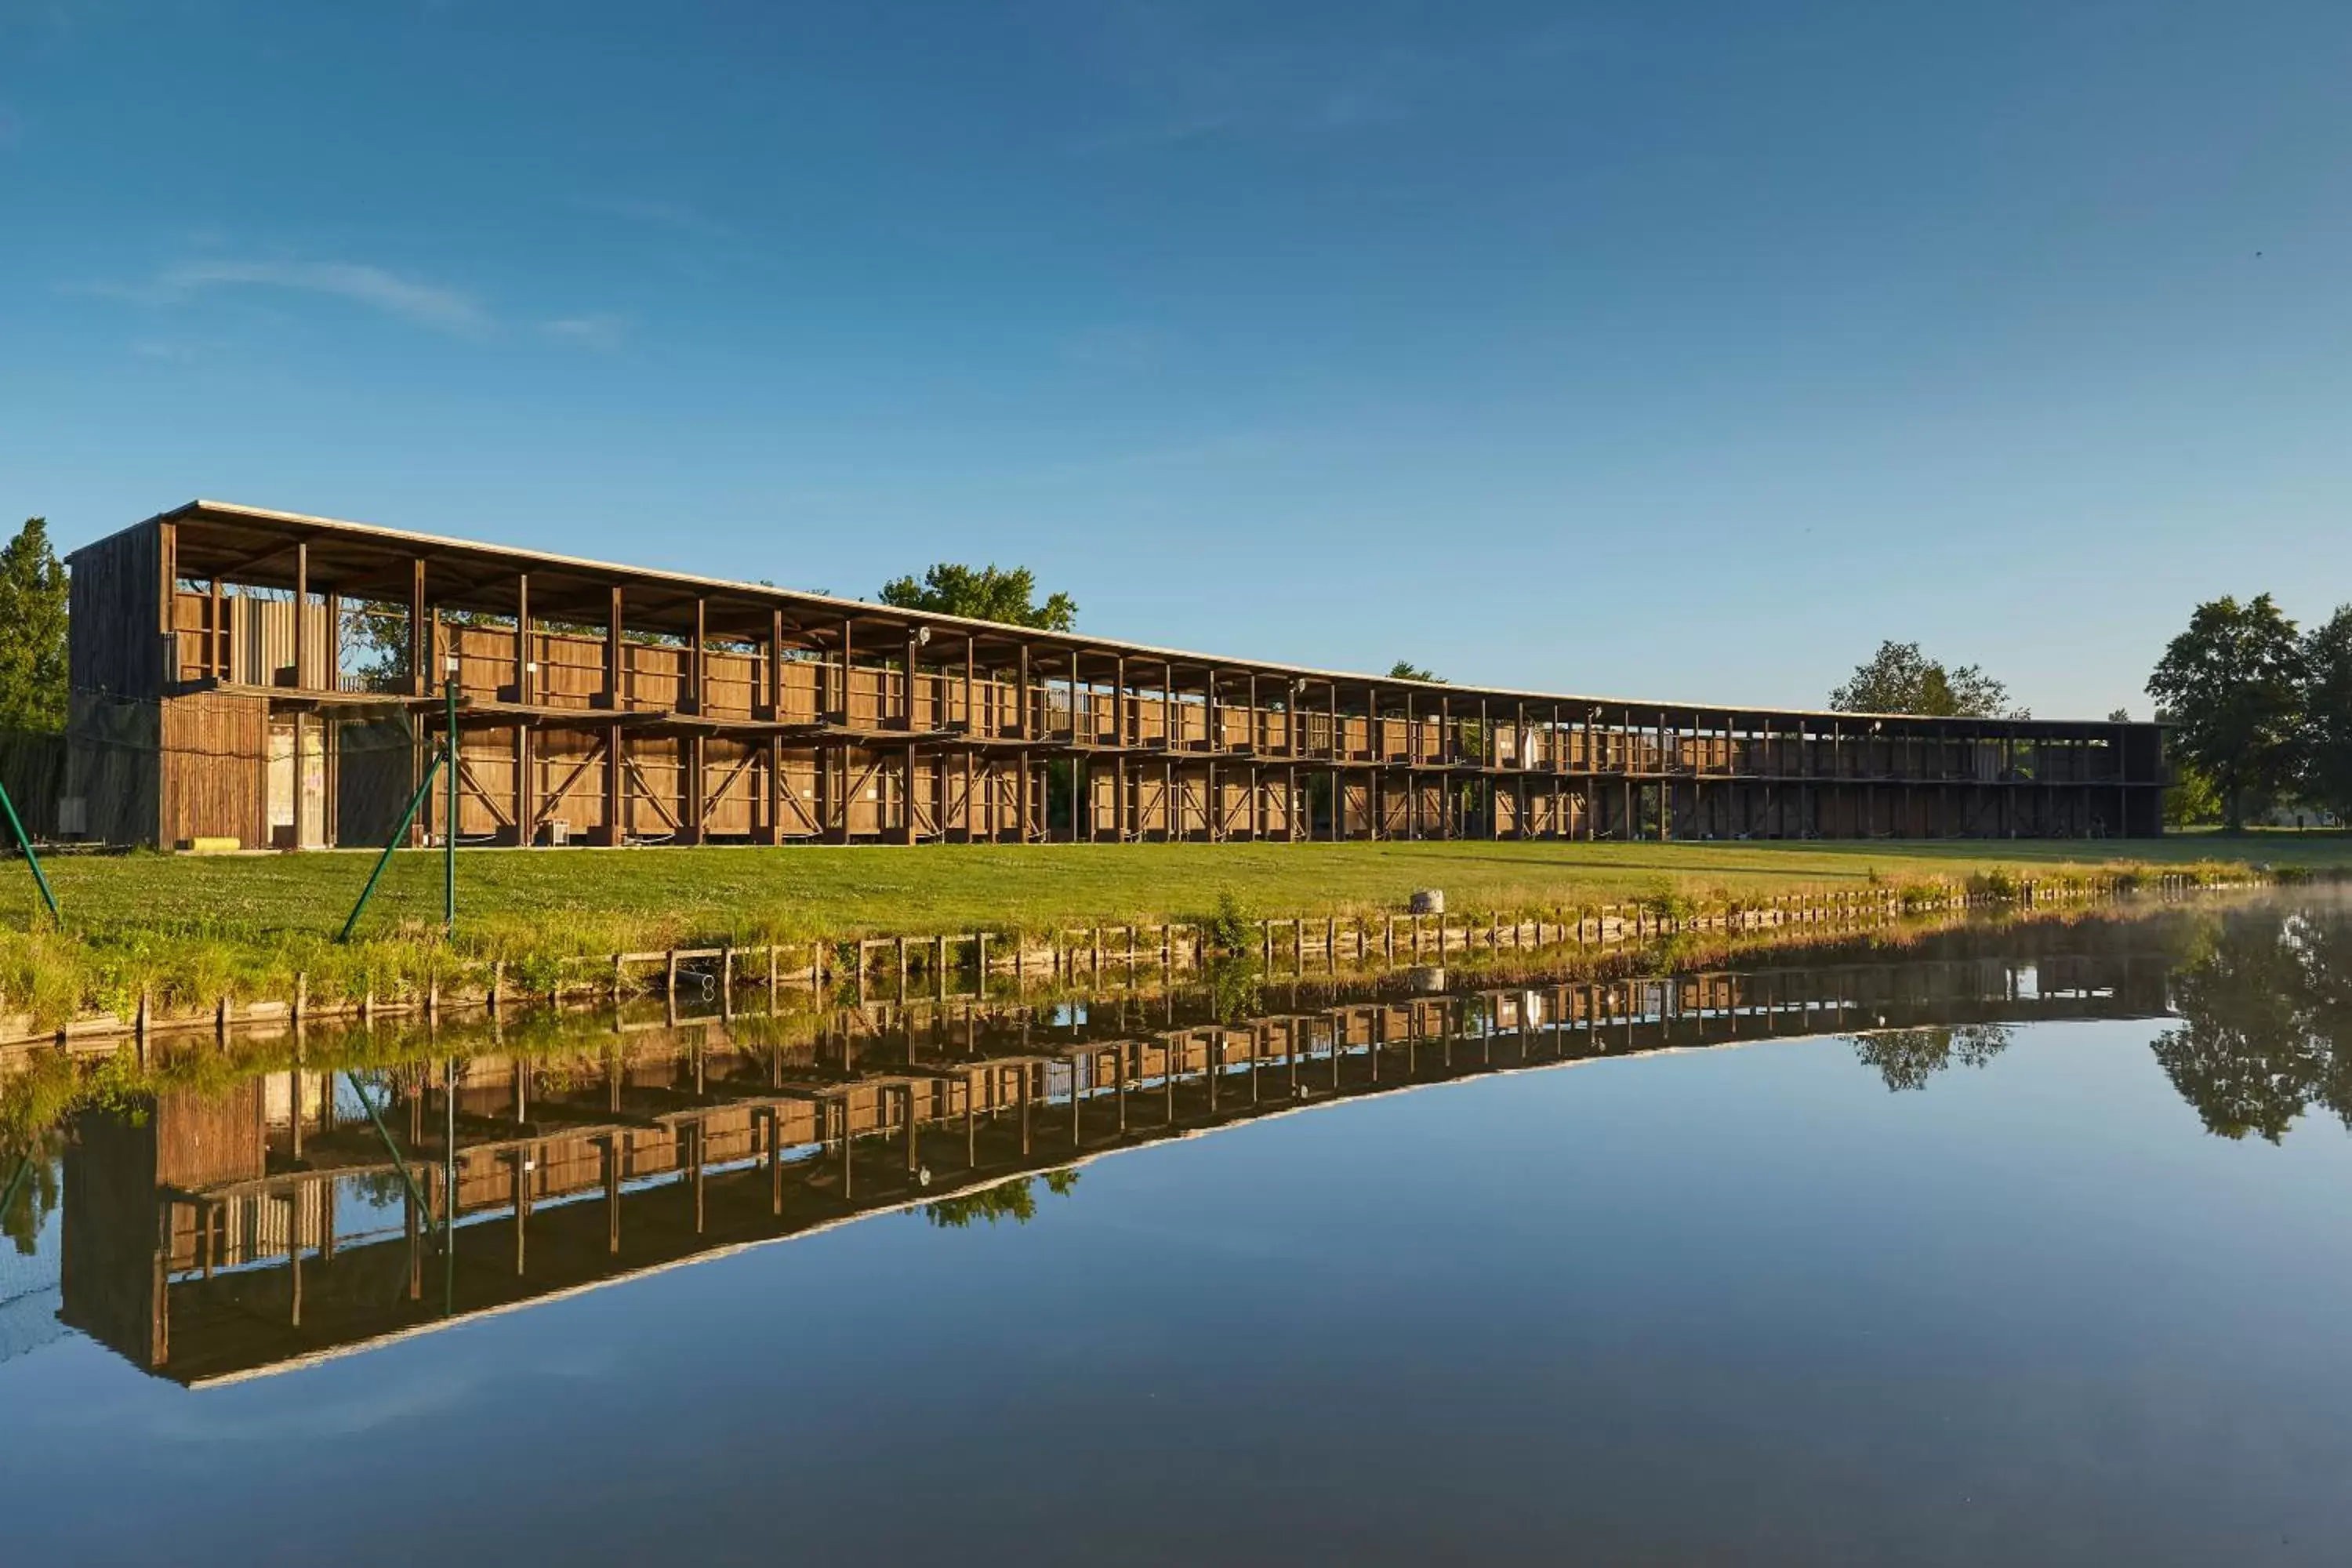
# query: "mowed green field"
655,897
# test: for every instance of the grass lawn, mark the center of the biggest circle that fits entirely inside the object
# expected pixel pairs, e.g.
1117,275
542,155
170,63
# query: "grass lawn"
684,895
185,930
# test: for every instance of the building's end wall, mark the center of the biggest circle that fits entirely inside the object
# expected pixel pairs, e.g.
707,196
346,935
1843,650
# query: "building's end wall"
115,643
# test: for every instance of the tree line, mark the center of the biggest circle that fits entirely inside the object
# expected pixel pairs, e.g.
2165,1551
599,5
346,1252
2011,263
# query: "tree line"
2262,710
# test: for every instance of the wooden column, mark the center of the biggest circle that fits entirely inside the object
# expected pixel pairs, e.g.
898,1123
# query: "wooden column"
907,699
775,789
301,617
1666,760
420,642
165,645
612,696
775,665
848,629
695,667
526,805
1021,720
615,783
522,682
907,793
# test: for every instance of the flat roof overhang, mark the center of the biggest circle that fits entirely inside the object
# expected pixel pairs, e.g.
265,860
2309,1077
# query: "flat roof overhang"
363,560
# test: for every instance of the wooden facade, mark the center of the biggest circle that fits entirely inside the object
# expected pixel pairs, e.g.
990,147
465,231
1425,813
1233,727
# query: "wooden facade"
599,704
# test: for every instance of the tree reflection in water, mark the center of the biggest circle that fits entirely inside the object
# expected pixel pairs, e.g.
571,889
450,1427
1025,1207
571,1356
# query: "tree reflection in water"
1015,1200
2265,1029
2264,1001
1907,1059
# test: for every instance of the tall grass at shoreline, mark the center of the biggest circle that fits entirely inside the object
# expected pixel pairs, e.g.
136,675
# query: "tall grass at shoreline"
188,932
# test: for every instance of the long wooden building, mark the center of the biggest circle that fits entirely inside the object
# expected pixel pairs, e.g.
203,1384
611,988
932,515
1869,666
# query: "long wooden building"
273,680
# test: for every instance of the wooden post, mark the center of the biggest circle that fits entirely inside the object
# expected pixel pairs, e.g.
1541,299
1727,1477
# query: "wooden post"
526,801
420,647
301,639
775,663
522,682
1021,727
848,630
907,794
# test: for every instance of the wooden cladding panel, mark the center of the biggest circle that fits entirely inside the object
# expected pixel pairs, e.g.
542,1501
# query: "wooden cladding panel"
208,1137
215,760
115,606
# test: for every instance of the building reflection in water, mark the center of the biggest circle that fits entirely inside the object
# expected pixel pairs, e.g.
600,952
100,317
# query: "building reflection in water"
214,1234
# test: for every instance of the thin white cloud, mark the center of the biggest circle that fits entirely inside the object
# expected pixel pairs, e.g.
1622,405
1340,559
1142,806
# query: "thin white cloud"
602,333
373,288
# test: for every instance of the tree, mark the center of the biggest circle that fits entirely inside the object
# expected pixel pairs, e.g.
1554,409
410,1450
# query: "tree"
986,594
2191,800
1405,669
32,632
2326,752
2233,683
375,637
1899,679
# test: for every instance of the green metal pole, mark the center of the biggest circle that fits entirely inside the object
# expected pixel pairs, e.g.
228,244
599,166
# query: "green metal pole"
384,1133
449,1189
449,833
8,1199
25,839
416,803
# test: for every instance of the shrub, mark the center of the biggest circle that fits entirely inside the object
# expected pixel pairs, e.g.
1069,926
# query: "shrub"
1231,928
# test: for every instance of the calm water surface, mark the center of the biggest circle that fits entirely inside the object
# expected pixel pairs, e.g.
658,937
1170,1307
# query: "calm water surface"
2023,1245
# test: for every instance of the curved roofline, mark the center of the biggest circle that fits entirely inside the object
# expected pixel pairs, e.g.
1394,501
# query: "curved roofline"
1074,642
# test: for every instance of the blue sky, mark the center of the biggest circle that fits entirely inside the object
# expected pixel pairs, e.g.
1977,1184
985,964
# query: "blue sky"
1663,349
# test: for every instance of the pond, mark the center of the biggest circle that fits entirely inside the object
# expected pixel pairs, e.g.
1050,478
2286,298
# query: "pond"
2016,1241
